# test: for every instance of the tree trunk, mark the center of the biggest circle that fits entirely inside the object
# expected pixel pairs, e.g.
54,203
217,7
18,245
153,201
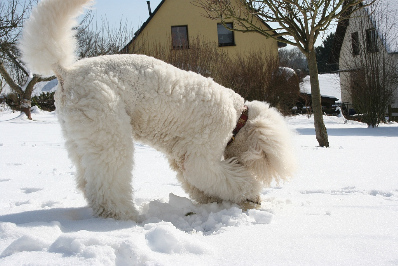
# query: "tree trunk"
320,129
26,101
25,108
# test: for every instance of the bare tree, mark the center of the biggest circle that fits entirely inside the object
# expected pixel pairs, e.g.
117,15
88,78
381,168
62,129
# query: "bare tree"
12,15
300,22
95,42
96,39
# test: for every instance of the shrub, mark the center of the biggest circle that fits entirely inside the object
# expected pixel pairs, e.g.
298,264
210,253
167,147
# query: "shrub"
44,101
257,76
12,100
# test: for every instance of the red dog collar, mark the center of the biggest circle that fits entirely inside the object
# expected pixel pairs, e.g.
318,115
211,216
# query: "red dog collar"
241,123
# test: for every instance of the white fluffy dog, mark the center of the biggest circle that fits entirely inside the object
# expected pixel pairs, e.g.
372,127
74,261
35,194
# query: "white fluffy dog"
104,103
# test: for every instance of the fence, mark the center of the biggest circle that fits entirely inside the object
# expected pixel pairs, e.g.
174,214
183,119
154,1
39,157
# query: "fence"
392,114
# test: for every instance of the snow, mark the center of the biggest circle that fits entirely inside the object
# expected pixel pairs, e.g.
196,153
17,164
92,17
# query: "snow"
341,208
329,85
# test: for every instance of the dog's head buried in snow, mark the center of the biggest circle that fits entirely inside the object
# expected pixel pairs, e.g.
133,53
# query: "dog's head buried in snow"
105,103
263,145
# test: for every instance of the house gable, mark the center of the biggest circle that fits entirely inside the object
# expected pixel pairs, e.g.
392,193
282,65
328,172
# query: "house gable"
152,14
381,16
157,30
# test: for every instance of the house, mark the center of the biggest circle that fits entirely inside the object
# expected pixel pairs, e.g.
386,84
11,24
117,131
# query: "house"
175,24
367,44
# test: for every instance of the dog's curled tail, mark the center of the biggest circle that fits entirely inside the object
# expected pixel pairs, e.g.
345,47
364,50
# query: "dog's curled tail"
48,37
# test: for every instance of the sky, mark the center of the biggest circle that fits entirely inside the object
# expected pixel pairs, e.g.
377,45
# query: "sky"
135,12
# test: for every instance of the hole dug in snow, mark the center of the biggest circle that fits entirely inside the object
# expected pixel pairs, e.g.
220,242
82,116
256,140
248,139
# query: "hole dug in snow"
206,218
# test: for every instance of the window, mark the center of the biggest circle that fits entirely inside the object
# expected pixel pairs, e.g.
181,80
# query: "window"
225,36
371,41
179,37
355,43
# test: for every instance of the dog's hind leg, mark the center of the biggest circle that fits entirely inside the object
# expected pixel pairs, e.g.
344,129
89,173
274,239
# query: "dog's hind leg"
226,180
76,159
103,153
73,151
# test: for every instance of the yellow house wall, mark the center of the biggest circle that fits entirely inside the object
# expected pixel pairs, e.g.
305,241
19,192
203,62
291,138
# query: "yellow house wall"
183,12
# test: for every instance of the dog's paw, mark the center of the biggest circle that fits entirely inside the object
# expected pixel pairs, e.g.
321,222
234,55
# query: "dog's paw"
126,214
251,203
256,200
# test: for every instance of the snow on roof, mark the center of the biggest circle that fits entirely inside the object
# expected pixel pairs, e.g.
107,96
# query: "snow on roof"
383,14
328,83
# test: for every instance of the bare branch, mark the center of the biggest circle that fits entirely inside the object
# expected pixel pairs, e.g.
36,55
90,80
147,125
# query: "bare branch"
9,80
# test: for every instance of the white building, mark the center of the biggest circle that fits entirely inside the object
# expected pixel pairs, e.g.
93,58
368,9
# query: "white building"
369,36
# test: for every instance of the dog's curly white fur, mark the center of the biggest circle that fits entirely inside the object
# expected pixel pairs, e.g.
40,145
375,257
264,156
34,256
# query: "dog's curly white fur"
105,103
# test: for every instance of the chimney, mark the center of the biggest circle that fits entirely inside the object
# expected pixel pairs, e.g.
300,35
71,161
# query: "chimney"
149,7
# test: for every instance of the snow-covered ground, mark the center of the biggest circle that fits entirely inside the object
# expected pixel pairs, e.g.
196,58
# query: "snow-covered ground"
341,208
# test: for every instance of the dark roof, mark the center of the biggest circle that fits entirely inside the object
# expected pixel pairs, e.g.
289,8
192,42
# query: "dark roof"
338,40
341,29
280,44
125,49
